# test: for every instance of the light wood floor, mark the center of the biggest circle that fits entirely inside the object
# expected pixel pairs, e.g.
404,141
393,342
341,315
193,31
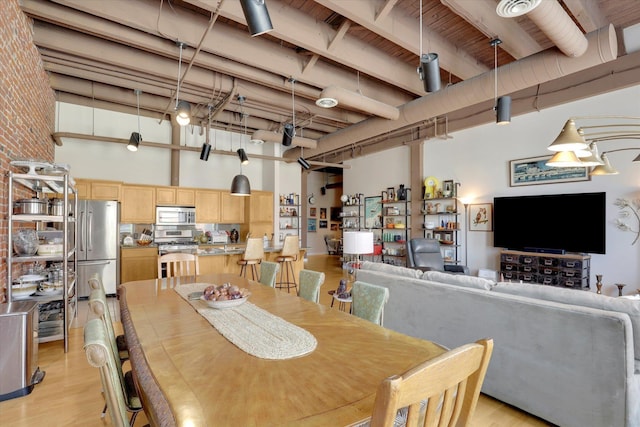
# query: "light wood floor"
70,395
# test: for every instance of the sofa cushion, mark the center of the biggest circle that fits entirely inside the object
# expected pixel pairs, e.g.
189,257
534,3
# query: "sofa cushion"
391,269
583,298
459,280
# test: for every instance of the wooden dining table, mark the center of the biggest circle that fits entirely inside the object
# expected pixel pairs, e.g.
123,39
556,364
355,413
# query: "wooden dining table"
208,381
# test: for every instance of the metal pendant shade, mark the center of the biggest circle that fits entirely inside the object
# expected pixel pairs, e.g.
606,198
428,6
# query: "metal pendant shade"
564,159
183,113
592,158
287,136
206,150
242,155
429,72
240,186
257,16
605,168
569,139
134,141
503,110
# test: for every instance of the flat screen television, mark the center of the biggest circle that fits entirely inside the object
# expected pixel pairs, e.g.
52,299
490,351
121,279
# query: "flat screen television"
554,223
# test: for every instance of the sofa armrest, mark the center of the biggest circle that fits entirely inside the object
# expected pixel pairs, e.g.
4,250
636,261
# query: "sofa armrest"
461,269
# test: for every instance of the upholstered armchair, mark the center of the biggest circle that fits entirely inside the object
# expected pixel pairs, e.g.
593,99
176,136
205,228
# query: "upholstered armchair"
424,254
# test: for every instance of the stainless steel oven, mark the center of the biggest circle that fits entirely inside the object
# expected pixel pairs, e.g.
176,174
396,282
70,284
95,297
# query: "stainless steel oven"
174,239
175,215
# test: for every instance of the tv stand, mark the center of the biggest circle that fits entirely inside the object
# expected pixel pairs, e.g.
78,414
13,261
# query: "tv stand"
545,251
565,270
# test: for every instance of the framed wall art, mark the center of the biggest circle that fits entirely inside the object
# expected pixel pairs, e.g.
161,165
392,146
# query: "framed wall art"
323,223
312,212
323,213
481,217
373,212
533,170
311,225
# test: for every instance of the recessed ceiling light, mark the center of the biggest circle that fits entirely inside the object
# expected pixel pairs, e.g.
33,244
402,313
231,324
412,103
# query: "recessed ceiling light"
513,8
327,102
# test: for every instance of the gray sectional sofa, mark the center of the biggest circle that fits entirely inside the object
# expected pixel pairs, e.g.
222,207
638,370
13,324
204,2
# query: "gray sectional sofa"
570,357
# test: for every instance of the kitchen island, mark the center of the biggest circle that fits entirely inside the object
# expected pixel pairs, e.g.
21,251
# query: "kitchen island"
140,262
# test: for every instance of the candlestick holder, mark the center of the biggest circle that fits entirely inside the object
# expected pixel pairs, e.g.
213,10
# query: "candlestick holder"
620,286
599,283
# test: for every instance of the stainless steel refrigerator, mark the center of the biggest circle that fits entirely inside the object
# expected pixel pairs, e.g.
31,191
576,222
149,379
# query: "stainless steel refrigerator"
97,245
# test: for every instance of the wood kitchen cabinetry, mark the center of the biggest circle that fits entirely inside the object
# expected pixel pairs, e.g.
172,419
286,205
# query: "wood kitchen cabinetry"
138,264
168,196
98,190
208,205
232,209
138,204
258,215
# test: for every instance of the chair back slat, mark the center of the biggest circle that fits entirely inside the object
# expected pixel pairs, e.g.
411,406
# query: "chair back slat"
442,391
178,268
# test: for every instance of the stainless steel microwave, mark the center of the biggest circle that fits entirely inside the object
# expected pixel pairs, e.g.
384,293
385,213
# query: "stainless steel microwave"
175,215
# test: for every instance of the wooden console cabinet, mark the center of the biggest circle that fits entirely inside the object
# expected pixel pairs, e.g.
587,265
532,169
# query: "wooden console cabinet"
567,270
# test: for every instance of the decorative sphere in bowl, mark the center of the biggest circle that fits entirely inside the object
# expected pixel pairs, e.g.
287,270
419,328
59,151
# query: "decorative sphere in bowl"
25,242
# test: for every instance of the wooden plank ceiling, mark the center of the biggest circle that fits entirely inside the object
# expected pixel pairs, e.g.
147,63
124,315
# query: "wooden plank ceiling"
98,52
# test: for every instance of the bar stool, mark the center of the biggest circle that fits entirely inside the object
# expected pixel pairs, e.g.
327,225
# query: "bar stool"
288,255
253,255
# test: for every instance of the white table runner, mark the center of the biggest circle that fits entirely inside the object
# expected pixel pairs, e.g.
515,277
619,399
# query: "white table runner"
253,329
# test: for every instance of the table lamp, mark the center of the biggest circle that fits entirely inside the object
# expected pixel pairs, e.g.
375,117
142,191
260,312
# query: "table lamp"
357,243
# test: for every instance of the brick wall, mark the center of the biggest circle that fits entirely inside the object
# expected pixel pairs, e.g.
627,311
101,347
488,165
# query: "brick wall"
27,108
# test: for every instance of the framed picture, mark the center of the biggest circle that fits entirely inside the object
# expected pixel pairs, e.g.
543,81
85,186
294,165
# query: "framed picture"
533,170
311,225
481,217
323,223
335,226
373,212
323,213
312,212
335,213
448,189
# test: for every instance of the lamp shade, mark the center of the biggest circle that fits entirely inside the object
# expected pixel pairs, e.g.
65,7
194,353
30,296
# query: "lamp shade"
358,242
257,16
183,113
604,169
204,153
503,110
429,72
134,141
592,158
242,155
569,139
564,159
240,186
287,136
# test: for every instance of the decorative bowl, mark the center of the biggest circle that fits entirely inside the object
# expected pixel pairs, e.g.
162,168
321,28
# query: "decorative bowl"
23,291
144,242
227,303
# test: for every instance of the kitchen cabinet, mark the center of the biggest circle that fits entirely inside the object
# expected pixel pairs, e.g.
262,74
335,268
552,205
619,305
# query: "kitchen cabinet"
258,215
232,209
98,190
175,196
212,263
57,302
138,264
138,204
208,206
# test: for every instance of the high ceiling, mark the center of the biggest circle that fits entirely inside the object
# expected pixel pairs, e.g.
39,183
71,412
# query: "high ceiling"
98,52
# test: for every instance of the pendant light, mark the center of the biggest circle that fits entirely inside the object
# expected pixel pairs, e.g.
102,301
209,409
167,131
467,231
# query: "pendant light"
240,185
206,147
502,105
429,69
290,128
135,138
257,16
183,108
242,155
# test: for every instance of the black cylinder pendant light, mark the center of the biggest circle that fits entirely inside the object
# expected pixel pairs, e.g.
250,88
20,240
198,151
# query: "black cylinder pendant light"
503,110
206,150
429,72
287,136
257,16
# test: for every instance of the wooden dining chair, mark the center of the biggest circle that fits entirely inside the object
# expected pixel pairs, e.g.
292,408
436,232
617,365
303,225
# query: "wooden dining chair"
100,308
310,282
268,273
440,391
367,301
288,255
119,390
178,268
253,255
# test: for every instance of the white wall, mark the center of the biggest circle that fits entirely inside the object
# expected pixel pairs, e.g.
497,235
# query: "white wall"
479,158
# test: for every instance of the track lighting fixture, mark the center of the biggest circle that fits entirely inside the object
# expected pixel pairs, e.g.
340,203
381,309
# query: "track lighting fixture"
206,150
288,134
183,108
257,16
290,128
242,155
305,164
502,105
135,138
429,69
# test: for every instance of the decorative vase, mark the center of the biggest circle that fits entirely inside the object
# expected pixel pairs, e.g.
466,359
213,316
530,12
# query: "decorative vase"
233,235
599,283
620,286
402,192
